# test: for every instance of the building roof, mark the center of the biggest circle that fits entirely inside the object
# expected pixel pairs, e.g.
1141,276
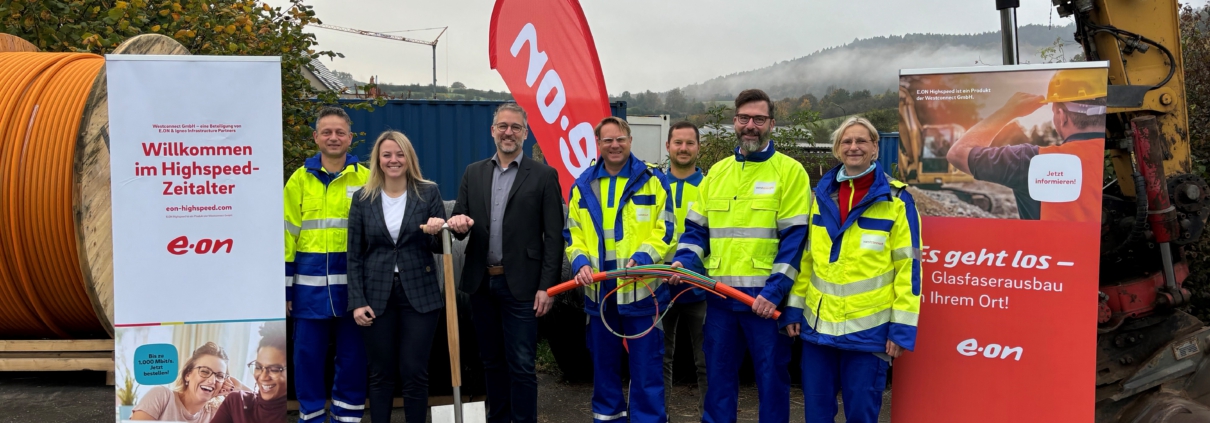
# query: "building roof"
326,77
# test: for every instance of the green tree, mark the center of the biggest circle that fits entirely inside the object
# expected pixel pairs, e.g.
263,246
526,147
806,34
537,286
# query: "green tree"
675,102
837,96
886,120
204,27
1195,43
718,139
807,101
784,108
647,102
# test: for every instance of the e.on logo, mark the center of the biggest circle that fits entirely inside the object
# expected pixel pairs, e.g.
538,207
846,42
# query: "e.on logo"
181,245
552,97
970,348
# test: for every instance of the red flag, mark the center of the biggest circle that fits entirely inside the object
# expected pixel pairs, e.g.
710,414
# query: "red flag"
545,53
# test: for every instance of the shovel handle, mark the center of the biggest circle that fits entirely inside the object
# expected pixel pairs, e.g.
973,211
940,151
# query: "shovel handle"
451,309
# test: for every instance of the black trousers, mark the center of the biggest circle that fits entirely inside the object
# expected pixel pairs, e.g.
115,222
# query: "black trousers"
507,330
398,343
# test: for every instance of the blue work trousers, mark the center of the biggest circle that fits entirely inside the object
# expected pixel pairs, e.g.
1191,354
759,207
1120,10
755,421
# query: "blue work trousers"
646,369
311,338
728,334
859,376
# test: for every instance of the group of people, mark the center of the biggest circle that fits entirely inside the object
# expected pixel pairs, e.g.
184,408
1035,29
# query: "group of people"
206,392
840,261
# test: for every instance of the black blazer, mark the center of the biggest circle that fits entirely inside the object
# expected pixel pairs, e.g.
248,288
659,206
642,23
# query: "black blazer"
373,256
533,227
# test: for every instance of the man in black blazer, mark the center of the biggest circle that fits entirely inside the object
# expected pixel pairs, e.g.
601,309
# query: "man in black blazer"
511,206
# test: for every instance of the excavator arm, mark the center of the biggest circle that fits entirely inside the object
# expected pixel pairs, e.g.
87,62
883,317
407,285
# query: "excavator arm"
1151,356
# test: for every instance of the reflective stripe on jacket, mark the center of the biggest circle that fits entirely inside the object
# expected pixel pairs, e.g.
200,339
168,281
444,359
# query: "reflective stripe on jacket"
748,226
684,195
642,228
861,280
316,220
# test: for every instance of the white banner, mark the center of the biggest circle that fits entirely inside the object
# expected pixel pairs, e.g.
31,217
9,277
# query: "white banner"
196,178
196,182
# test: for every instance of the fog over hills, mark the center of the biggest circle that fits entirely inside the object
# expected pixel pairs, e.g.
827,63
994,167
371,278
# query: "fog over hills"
873,63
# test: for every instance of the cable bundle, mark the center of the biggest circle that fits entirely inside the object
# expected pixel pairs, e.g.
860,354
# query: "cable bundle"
42,289
637,274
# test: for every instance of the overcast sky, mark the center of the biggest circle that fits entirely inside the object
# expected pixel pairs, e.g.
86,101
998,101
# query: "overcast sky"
644,44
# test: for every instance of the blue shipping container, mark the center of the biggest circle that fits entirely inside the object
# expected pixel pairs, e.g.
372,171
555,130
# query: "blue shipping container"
448,135
888,151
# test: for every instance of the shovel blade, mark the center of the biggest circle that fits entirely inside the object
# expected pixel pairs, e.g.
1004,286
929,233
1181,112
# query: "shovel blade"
472,412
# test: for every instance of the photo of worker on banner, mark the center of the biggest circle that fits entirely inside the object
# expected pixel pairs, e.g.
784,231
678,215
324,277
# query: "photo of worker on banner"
1026,144
1006,165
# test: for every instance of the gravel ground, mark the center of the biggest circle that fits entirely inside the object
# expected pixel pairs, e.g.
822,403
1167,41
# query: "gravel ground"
82,397
560,402
55,397
947,203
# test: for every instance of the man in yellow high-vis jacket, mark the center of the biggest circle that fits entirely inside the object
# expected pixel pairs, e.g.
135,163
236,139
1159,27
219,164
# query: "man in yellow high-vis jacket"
747,230
317,199
619,216
689,310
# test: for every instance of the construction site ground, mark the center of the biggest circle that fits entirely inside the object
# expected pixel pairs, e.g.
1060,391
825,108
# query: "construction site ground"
944,201
83,397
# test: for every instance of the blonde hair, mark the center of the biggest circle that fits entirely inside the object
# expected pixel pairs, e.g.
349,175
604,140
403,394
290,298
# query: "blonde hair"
855,120
377,176
621,123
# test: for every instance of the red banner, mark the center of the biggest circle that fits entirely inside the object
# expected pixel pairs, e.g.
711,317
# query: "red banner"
1009,184
545,53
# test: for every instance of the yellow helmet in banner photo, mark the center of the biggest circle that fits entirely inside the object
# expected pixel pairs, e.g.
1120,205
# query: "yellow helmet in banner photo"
1076,85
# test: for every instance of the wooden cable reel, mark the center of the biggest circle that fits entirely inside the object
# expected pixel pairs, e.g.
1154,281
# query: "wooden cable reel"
90,202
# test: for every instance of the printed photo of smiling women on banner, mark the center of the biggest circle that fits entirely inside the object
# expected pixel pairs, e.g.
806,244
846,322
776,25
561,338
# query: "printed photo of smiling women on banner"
1006,165
206,373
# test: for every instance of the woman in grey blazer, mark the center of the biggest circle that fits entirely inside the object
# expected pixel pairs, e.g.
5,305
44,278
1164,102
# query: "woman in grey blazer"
393,289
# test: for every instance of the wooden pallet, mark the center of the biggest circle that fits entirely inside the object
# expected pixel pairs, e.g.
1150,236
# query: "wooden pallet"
58,355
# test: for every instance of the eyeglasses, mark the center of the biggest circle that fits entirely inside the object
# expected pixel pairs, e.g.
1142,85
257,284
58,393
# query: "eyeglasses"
758,119
206,372
258,369
503,127
611,140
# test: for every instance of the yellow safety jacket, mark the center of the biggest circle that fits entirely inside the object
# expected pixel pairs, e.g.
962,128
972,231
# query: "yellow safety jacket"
860,284
613,219
748,226
684,195
317,220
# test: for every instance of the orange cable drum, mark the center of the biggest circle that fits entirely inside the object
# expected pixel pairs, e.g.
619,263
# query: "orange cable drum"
42,288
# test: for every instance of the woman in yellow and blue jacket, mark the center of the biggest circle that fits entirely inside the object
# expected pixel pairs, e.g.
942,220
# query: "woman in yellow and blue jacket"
858,294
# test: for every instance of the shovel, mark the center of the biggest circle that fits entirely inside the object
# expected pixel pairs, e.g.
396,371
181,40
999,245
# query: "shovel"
474,412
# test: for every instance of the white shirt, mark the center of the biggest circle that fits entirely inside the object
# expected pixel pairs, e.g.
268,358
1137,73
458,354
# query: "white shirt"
392,212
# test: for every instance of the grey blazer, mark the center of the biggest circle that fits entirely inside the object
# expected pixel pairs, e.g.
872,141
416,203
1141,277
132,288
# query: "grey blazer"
373,256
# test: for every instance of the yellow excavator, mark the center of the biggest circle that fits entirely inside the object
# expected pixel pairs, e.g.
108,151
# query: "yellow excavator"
922,161
1153,358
